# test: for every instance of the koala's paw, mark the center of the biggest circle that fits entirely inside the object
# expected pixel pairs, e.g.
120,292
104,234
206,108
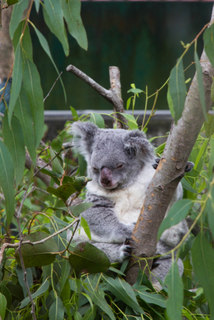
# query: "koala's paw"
125,249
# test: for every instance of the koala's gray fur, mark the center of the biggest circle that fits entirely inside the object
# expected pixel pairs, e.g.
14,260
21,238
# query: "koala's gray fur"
120,164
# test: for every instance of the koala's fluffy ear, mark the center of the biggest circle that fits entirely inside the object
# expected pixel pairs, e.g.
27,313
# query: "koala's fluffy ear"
137,143
83,137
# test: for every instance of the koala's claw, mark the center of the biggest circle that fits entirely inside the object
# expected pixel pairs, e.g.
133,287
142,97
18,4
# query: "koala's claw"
155,165
127,248
189,166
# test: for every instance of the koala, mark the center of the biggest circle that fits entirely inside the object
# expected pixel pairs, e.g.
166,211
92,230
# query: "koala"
120,164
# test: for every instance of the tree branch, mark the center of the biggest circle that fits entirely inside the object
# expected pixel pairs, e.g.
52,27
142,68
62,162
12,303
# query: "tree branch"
112,95
170,170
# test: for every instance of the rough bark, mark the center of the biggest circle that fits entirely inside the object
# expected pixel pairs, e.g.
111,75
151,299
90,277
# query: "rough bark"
170,171
6,48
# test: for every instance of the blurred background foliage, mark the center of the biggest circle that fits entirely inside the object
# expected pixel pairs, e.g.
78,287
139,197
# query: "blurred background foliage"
141,38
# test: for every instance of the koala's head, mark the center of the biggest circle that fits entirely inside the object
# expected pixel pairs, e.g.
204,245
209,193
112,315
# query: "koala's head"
114,156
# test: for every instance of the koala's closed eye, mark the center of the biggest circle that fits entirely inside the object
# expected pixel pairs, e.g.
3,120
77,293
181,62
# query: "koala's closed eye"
120,165
96,170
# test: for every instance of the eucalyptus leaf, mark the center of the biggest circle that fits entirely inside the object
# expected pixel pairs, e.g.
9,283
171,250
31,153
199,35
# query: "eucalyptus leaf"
123,291
86,228
176,214
200,85
87,258
97,297
203,262
17,81
53,15
38,293
151,298
46,48
56,311
38,254
174,302
14,140
177,89
3,306
7,180
132,123
33,89
25,116
97,119
79,208
71,12
17,15
208,37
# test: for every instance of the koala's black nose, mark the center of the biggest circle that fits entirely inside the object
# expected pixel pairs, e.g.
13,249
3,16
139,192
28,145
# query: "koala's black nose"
106,177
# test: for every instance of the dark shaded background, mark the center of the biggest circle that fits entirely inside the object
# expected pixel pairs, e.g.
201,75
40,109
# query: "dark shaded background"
141,38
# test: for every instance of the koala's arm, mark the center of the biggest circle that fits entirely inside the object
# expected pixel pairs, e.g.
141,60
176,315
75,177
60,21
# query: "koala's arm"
103,223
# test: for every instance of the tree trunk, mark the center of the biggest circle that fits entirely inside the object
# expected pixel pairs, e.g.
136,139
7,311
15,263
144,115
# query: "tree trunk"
6,48
170,171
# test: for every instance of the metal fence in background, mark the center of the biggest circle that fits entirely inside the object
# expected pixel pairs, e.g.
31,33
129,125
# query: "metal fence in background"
159,124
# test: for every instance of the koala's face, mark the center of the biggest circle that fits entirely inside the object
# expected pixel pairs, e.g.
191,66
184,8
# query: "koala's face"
112,165
114,157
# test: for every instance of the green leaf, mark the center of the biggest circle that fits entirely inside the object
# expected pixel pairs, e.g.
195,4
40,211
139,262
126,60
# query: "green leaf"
87,258
97,119
74,114
203,262
37,5
132,123
33,89
17,81
29,278
151,298
53,15
65,272
174,302
39,292
209,43
17,15
79,208
56,164
177,89
170,103
63,192
209,125
56,311
3,306
186,185
211,160
38,254
24,114
7,180
97,296
124,292
11,2
14,140
86,228
45,46
200,85
176,214
71,11
25,42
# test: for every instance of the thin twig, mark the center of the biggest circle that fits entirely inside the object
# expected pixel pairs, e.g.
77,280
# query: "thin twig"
52,86
16,245
18,214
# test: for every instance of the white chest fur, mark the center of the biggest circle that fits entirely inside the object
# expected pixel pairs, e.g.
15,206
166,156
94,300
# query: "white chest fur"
128,201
